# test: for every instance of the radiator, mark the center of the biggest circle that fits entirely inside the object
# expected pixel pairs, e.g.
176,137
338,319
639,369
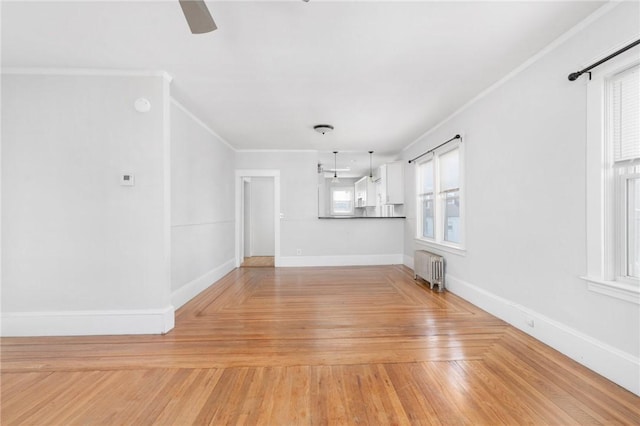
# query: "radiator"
429,267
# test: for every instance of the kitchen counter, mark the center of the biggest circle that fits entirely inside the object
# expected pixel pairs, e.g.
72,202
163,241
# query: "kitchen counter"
362,217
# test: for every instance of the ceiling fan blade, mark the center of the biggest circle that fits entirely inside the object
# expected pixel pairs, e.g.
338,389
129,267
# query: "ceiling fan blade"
198,16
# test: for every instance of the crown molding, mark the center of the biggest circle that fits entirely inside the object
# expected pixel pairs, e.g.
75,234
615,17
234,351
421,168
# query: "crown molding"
86,72
201,123
597,14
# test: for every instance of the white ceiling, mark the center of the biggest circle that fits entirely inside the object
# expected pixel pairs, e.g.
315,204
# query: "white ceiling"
382,73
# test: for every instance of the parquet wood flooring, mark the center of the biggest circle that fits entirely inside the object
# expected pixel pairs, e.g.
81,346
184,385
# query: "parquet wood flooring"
280,346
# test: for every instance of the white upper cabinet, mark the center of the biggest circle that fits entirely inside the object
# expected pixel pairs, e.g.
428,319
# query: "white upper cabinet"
365,192
391,184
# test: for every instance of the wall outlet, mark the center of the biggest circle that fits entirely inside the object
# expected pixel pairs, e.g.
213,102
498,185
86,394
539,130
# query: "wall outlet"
299,252
530,322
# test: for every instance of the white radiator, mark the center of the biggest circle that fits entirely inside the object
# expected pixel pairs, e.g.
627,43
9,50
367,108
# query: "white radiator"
429,267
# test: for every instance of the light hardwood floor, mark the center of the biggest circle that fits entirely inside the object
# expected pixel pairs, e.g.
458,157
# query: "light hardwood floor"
274,346
258,262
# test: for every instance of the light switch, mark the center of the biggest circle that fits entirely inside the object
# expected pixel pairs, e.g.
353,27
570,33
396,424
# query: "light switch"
127,179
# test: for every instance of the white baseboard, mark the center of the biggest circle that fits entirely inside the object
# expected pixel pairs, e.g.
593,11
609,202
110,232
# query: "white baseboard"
86,323
351,260
618,366
195,287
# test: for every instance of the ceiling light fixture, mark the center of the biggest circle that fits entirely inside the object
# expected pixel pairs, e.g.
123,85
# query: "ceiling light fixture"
323,128
335,168
370,168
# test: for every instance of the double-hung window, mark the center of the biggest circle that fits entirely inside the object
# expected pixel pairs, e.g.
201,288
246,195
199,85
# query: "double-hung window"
623,132
439,197
613,180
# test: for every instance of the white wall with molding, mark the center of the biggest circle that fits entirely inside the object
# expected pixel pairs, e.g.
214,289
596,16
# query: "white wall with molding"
321,241
525,205
202,205
82,254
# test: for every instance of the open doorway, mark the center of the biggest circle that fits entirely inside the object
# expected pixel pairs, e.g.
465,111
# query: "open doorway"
257,218
258,222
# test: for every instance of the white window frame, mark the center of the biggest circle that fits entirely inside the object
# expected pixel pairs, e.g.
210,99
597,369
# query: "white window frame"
605,229
621,208
332,189
438,241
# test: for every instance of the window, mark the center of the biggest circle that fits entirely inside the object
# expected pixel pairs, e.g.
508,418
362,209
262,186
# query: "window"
439,197
631,220
426,199
342,200
613,180
623,134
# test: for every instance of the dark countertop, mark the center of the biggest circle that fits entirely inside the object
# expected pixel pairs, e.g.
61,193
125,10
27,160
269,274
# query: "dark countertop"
362,217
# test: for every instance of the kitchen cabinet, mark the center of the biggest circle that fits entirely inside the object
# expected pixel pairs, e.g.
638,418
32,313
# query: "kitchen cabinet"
390,189
365,192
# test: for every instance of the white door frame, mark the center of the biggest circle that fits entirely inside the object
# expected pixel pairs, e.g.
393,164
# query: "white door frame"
241,174
244,206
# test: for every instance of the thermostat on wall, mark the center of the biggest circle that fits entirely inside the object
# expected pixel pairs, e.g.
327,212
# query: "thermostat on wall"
127,179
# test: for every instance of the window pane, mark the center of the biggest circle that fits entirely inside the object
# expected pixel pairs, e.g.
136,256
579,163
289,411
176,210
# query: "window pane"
633,227
342,201
427,216
449,170
452,217
426,177
625,114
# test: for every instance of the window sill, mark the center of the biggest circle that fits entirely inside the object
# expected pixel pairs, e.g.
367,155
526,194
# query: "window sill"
618,290
441,247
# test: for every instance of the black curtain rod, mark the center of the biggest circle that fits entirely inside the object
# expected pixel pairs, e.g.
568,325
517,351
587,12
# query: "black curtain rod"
574,75
433,149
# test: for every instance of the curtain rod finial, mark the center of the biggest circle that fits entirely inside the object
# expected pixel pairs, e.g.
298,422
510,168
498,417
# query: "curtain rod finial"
574,76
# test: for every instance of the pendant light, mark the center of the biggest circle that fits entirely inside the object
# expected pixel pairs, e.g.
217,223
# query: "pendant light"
370,167
335,168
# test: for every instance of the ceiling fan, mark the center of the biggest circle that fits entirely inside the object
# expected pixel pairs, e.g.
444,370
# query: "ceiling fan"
198,16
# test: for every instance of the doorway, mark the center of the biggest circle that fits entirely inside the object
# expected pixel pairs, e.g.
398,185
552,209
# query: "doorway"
257,218
258,222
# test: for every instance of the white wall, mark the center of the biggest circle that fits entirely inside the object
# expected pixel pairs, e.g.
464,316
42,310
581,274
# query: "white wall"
80,253
261,229
202,205
525,206
322,241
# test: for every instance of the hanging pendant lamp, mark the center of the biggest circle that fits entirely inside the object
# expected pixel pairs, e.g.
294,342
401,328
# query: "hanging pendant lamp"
335,168
370,166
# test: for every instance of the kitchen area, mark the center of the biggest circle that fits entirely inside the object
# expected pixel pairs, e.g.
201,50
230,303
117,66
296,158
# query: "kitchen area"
352,188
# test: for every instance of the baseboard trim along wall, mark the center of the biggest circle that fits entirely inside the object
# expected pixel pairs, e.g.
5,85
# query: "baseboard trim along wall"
191,289
85,323
618,366
352,260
